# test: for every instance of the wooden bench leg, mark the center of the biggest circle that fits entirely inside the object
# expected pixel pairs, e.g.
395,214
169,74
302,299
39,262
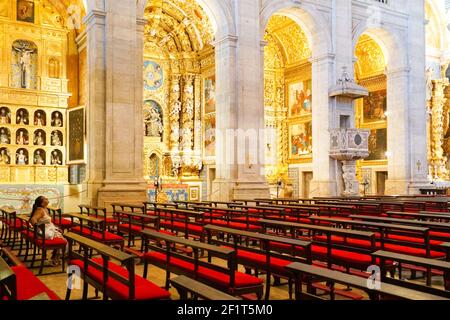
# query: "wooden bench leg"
290,282
43,258
145,270
85,290
34,256
267,296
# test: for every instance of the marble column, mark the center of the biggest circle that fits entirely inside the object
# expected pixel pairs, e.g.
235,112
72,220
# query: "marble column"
95,98
124,134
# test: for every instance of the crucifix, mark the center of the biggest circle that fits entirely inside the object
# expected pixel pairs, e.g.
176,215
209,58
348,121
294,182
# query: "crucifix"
25,61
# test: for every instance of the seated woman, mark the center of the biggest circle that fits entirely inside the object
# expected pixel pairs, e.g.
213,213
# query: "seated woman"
40,216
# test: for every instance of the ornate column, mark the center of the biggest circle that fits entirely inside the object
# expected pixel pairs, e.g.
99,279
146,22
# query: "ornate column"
175,110
438,160
187,121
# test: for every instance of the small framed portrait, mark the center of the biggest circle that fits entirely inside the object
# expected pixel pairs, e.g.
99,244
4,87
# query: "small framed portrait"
25,11
22,116
194,193
76,136
5,115
57,119
300,98
375,107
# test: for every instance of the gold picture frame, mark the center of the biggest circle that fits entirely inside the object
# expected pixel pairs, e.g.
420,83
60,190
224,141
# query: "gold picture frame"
76,136
194,193
300,140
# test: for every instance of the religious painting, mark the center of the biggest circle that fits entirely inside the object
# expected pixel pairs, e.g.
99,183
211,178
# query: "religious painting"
153,119
40,118
39,138
377,145
56,138
5,115
39,157
210,94
194,193
22,156
25,11
57,119
24,64
5,136
375,106
22,137
153,75
22,116
300,98
76,139
210,135
5,156
300,140
56,158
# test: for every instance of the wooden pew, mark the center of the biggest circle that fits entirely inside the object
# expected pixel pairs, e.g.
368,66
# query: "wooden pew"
115,281
132,223
99,212
196,289
429,264
425,216
189,222
59,219
387,290
227,279
263,257
237,218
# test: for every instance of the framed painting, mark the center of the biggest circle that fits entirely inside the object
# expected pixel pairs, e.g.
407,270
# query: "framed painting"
210,135
76,136
375,107
25,11
377,145
209,86
194,193
300,98
300,140
153,75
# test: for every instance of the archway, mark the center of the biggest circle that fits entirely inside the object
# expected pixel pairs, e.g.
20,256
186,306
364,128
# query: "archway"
288,103
372,113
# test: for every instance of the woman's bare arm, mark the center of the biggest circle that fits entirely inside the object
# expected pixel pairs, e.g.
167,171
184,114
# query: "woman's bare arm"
37,216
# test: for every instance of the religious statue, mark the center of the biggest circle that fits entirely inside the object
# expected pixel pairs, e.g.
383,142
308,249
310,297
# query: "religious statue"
21,138
56,159
153,124
4,137
5,118
4,158
25,52
57,120
39,139
39,120
21,157
22,117
38,159
56,141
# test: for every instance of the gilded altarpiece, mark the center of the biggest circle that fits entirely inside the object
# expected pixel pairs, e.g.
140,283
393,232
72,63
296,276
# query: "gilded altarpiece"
33,93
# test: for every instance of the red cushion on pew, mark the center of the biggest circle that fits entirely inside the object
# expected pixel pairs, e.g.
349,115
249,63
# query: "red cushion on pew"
241,279
125,227
29,286
235,225
440,234
260,259
181,226
16,224
56,242
63,222
343,255
97,235
413,240
111,220
144,289
413,251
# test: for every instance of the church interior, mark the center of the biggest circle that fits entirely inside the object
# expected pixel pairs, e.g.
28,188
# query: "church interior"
224,150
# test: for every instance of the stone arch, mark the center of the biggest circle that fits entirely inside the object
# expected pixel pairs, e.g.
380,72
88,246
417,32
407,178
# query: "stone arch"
307,17
390,41
219,14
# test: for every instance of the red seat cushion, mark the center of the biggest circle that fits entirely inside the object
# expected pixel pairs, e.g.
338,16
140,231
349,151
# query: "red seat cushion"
126,227
111,220
144,289
181,226
56,242
235,225
440,234
220,278
16,224
257,258
98,235
29,286
63,222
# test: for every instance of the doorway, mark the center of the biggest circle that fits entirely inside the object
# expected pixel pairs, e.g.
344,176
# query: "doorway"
306,183
382,176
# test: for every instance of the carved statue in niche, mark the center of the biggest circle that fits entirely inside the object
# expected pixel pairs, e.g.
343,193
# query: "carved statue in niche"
22,157
4,156
22,116
39,157
153,120
56,158
39,118
154,166
57,119
25,52
56,139
5,136
22,137
53,68
167,166
5,116
39,138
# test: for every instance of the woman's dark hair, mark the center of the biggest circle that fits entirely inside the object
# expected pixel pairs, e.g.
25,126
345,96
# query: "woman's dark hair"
37,204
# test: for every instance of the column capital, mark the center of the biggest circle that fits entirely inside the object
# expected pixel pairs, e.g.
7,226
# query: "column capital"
229,39
95,16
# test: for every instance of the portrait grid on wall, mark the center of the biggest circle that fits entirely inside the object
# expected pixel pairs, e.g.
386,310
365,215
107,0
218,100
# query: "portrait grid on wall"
76,140
300,98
